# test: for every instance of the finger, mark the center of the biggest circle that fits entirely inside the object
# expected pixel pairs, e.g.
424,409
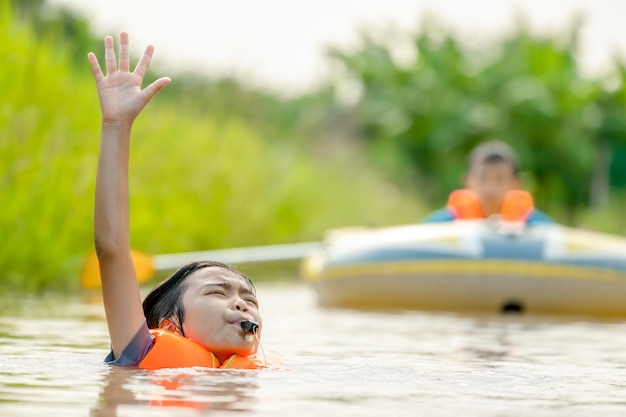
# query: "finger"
144,63
109,55
95,67
124,52
155,87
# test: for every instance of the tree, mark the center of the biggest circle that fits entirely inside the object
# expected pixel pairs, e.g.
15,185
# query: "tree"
421,120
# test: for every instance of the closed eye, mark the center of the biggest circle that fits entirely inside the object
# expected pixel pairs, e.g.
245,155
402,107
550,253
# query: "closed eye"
252,300
218,292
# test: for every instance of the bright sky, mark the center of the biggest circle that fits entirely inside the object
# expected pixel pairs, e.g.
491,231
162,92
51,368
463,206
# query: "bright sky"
281,43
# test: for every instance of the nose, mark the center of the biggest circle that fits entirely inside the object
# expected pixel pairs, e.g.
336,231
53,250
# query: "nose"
240,304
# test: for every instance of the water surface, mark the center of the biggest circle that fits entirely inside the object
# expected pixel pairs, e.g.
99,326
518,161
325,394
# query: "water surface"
337,362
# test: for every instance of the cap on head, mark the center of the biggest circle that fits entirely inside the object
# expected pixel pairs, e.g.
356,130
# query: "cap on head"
493,151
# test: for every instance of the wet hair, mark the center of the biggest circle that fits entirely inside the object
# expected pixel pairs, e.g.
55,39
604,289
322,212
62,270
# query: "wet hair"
492,152
165,300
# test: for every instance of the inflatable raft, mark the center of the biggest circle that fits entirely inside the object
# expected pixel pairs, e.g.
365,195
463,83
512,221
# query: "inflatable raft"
472,265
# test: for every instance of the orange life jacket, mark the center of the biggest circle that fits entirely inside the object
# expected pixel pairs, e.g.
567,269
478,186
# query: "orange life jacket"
516,207
171,350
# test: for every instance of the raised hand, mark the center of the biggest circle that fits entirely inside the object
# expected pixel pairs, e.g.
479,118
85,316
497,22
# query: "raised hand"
120,93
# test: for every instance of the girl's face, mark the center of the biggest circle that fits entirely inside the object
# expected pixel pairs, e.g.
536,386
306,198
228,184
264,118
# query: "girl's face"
216,301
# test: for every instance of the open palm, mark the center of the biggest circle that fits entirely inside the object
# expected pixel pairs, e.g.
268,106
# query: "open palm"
120,93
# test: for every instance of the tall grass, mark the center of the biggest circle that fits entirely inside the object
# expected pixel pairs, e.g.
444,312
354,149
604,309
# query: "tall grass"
46,142
197,182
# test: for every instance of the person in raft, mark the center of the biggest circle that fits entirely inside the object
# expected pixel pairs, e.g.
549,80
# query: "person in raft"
205,314
492,190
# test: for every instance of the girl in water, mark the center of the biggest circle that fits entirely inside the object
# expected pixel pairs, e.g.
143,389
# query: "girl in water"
205,314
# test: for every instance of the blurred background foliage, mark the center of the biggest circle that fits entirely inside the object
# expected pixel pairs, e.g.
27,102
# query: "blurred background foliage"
216,163
420,118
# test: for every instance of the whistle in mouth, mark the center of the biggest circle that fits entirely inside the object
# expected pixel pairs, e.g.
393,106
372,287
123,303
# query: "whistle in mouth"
249,326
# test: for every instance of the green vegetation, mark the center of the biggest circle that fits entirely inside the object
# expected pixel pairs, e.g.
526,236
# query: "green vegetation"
199,179
216,164
419,119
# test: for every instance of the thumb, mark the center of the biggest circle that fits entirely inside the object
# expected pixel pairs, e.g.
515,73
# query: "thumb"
156,86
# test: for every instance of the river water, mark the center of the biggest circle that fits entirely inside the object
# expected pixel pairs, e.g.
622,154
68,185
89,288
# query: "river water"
337,362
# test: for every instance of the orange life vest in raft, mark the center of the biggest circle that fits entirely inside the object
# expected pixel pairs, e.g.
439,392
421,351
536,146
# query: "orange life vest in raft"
171,350
516,207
